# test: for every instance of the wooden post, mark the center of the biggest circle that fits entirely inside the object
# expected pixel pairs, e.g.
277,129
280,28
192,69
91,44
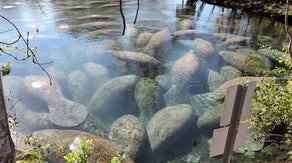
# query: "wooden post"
234,123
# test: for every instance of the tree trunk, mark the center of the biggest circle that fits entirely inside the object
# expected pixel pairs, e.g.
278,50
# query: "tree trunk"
7,150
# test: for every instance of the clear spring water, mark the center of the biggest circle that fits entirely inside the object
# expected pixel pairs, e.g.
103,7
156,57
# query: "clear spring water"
54,28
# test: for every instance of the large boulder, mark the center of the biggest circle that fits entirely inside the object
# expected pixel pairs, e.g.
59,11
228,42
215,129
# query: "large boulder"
233,58
249,62
111,100
171,132
102,150
148,97
230,72
129,134
256,64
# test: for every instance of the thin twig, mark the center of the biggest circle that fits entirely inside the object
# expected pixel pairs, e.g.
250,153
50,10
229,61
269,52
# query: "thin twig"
137,11
40,7
124,20
29,51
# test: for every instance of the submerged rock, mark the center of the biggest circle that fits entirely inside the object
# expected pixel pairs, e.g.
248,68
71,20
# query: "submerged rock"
171,132
256,64
62,112
148,97
234,59
221,91
130,135
249,62
36,121
108,101
230,72
102,150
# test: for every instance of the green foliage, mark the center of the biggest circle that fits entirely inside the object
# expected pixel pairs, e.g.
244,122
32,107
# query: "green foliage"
119,158
6,69
38,151
273,98
81,150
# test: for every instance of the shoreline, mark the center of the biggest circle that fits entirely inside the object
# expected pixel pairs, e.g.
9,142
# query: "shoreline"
273,10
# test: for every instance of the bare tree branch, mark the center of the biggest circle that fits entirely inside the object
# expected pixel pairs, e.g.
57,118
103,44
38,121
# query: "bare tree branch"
29,51
124,20
138,6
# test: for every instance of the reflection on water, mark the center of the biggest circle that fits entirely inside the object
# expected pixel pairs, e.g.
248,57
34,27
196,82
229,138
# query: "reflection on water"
174,54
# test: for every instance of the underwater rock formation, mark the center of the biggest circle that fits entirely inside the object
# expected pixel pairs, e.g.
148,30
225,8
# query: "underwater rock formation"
230,72
102,150
249,62
130,135
171,131
62,112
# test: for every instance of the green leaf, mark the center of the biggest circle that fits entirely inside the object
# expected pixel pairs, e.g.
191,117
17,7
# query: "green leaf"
6,69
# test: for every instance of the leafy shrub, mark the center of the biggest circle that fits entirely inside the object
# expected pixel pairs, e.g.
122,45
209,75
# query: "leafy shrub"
272,114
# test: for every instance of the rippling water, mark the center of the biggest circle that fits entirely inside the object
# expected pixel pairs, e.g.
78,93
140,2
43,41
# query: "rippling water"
71,34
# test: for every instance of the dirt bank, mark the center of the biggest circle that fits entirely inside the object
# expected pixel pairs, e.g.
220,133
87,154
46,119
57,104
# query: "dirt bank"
271,8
